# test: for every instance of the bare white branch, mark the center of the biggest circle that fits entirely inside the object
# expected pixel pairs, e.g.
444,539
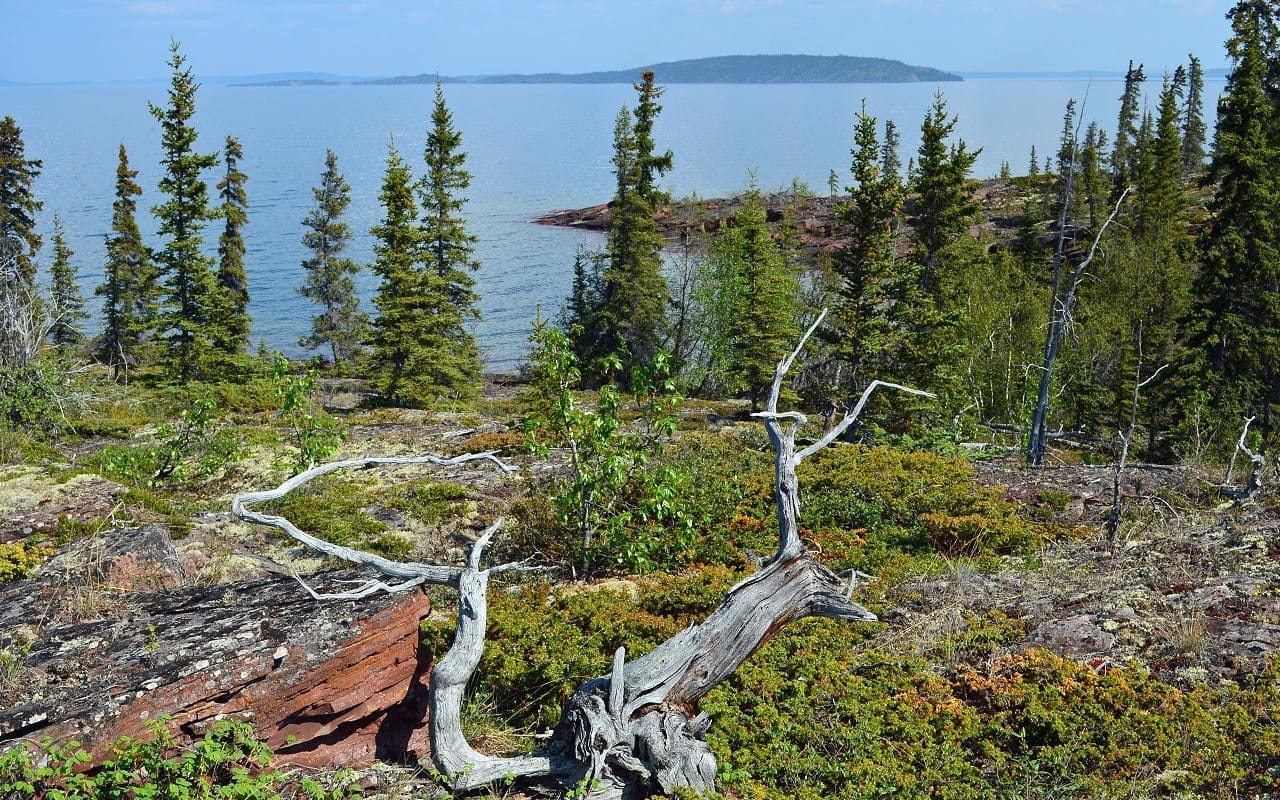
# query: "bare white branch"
408,573
785,364
837,431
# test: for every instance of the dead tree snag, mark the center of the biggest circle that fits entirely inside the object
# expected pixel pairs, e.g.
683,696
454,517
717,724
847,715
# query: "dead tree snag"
638,730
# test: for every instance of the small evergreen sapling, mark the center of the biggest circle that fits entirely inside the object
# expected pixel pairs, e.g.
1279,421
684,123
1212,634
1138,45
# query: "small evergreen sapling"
341,325
64,293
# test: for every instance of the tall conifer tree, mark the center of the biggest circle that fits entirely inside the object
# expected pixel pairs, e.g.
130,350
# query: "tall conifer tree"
450,249
944,206
1127,127
1095,178
874,290
128,290
18,204
633,293
759,301
415,357
65,297
1156,281
650,165
1236,312
341,325
1193,128
890,160
188,315
232,324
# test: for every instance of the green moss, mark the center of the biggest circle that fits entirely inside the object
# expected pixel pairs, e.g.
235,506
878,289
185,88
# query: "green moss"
427,501
334,509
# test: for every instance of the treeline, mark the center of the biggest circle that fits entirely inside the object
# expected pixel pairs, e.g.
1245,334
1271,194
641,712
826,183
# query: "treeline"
1136,302
179,308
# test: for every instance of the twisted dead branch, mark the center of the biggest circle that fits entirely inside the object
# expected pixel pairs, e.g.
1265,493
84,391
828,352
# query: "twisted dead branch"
637,730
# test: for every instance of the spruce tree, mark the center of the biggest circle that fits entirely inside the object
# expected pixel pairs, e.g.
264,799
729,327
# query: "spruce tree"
128,290
450,249
232,324
1127,127
943,255
890,161
944,206
341,325
1033,168
1193,128
874,291
649,164
414,333
66,299
1095,178
633,293
1153,295
1235,316
1068,141
18,204
758,304
187,318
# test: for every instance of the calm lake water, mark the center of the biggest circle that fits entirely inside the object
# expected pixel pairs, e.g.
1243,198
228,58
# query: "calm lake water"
531,149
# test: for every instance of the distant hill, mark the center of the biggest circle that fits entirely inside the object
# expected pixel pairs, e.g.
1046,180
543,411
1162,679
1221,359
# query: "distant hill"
283,79
725,69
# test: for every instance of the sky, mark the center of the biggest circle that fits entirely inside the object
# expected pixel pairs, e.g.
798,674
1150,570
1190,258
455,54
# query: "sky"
105,40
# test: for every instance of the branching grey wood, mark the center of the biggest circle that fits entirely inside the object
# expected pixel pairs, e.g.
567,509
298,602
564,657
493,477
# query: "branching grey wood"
638,730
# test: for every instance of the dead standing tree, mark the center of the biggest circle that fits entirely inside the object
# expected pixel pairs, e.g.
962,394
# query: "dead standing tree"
637,730
1061,313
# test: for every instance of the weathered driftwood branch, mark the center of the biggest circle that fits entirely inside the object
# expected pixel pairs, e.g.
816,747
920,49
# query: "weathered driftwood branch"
452,754
638,730
449,676
409,574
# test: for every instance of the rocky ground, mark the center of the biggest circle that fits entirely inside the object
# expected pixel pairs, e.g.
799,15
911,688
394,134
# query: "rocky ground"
1186,589
135,620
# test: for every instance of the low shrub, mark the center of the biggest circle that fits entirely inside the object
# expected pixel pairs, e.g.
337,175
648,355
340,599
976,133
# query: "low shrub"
19,558
334,509
228,762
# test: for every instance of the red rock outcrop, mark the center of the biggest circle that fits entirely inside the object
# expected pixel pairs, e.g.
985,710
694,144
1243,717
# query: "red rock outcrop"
325,683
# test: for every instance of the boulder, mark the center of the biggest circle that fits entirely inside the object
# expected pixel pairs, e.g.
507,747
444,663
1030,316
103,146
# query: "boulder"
324,682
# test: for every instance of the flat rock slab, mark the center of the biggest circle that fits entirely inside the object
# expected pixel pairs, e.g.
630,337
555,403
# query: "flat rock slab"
325,682
29,507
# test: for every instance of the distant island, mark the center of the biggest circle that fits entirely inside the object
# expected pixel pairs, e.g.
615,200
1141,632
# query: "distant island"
717,69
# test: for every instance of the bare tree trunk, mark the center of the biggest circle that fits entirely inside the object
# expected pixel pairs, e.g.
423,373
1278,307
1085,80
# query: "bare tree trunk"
1059,321
638,730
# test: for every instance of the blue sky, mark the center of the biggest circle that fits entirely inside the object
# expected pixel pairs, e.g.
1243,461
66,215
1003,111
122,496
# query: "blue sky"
70,40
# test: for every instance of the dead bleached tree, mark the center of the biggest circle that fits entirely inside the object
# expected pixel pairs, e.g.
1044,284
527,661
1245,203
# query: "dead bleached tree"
638,730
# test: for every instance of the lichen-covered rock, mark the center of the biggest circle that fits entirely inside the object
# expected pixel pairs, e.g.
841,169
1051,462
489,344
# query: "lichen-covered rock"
324,682
31,503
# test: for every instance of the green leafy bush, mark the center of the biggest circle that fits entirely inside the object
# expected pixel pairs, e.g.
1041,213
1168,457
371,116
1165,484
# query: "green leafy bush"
193,449
618,507
314,434
228,762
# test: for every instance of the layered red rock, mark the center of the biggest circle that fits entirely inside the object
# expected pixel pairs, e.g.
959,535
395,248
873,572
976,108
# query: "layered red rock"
324,682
